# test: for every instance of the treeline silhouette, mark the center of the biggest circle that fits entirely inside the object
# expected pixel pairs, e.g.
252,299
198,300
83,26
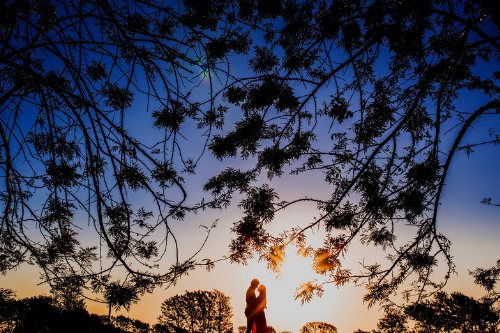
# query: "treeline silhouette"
48,314
211,311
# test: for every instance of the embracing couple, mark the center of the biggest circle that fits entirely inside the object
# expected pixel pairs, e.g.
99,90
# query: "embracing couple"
254,311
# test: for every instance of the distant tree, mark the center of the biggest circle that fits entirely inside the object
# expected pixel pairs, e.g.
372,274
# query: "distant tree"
7,310
197,311
159,328
454,312
47,314
286,332
35,314
130,325
242,329
271,329
318,327
394,321
360,331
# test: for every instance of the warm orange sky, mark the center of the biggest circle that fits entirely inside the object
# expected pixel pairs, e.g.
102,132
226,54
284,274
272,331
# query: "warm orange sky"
472,227
341,307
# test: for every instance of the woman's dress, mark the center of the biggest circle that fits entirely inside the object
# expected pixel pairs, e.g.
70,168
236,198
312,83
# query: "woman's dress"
260,325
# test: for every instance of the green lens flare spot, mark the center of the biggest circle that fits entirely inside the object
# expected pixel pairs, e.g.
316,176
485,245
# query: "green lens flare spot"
203,67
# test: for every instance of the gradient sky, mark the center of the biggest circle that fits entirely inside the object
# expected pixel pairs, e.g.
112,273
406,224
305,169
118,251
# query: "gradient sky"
472,228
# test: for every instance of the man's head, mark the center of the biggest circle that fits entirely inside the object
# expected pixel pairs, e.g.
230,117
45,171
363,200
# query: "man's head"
254,284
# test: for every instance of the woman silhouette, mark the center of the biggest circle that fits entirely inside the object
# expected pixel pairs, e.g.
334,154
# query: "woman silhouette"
260,316
251,301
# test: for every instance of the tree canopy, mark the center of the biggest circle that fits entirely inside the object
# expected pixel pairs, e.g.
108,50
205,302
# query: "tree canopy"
47,314
368,93
197,311
318,327
453,312
75,77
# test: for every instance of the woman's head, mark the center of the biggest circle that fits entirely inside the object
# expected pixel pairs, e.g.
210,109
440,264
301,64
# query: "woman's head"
262,288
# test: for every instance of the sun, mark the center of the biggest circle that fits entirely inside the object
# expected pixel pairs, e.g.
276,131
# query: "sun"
281,302
295,271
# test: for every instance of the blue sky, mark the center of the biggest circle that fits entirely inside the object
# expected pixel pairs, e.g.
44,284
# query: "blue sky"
472,228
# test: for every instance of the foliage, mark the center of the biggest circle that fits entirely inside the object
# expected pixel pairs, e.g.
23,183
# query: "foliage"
488,278
130,325
46,314
76,81
197,311
367,94
318,327
453,312
7,310
118,296
394,321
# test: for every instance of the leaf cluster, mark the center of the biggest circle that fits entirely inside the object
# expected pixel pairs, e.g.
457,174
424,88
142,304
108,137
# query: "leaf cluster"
196,311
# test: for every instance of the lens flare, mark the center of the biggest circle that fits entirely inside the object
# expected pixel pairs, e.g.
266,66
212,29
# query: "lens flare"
203,68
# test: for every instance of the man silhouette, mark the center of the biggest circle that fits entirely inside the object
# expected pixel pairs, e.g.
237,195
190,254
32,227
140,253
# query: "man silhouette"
251,300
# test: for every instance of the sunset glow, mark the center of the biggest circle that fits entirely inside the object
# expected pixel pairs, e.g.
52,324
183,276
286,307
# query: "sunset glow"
156,157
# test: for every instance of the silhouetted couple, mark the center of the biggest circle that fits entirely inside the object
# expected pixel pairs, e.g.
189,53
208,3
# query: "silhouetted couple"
256,317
